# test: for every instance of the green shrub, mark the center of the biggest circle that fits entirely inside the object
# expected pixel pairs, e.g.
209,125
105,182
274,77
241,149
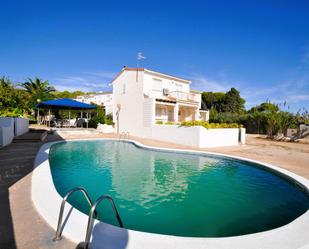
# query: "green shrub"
224,117
93,123
170,123
261,122
14,113
159,122
100,118
108,119
279,122
210,125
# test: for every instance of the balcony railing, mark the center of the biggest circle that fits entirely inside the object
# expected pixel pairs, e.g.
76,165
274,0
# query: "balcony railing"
196,97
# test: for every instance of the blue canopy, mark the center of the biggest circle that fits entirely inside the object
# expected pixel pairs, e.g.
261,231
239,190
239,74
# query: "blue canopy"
69,104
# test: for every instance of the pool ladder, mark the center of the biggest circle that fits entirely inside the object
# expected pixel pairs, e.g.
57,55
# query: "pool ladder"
92,212
124,135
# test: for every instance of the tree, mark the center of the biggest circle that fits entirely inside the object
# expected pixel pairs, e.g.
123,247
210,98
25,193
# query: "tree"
264,107
13,101
64,94
224,102
99,118
232,102
213,100
67,94
6,93
38,90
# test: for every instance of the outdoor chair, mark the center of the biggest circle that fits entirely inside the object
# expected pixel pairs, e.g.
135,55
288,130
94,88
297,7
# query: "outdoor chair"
80,122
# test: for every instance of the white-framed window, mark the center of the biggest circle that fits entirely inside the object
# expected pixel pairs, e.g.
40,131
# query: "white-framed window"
179,87
157,84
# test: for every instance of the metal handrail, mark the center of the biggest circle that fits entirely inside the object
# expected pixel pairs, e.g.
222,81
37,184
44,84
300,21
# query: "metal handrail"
58,231
91,219
124,135
120,136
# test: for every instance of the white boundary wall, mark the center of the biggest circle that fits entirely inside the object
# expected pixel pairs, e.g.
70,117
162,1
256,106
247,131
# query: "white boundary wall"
198,136
6,130
104,128
21,126
11,127
177,134
218,137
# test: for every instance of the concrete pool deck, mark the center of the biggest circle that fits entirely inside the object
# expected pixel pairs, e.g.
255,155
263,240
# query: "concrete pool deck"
16,162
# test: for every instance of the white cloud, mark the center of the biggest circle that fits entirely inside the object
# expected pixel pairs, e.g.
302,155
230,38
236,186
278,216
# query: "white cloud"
202,83
294,91
103,74
87,82
297,98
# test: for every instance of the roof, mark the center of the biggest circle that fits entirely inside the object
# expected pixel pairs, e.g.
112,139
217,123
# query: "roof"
166,101
195,91
65,103
150,72
94,94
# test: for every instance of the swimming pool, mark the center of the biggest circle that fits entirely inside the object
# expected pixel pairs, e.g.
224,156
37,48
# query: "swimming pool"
176,193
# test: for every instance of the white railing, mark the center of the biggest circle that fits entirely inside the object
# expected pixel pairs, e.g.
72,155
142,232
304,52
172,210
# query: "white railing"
185,96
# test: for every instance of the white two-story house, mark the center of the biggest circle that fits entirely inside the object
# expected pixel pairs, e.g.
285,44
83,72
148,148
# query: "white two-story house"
143,98
101,98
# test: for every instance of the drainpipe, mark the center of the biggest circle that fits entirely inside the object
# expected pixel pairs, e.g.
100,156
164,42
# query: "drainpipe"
176,110
118,114
87,120
49,118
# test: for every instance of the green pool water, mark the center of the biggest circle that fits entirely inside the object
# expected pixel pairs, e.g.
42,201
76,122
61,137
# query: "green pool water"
175,193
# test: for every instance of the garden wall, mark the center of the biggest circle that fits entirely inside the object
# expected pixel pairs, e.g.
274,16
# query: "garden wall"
6,131
11,127
304,131
218,137
104,128
21,126
198,136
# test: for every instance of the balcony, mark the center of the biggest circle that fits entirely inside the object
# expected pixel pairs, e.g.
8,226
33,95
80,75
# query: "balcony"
185,96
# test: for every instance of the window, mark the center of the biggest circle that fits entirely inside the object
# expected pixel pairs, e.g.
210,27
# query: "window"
179,87
157,84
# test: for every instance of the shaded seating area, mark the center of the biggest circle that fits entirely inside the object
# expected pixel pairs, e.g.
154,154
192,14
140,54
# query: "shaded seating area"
69,105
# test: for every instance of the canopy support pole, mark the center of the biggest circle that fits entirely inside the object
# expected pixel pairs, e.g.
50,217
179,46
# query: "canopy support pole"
48,118
81,116
69,118
38,115
87,120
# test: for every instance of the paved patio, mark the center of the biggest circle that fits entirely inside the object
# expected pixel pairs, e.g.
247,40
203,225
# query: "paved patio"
21,226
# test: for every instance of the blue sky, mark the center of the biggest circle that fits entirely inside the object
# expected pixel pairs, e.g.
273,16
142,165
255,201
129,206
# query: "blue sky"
259,47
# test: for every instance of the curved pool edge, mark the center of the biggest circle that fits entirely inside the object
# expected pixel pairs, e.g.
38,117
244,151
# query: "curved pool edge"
47,202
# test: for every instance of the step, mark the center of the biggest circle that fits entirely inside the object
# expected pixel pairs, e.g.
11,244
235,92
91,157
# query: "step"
32,136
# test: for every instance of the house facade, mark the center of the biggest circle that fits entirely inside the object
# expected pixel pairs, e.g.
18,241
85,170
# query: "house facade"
104,99
143,98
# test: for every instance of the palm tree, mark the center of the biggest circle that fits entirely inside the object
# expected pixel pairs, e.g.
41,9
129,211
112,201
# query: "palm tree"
38,89
37,86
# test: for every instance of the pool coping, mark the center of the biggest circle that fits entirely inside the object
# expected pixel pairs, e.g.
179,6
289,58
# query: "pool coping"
47,202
